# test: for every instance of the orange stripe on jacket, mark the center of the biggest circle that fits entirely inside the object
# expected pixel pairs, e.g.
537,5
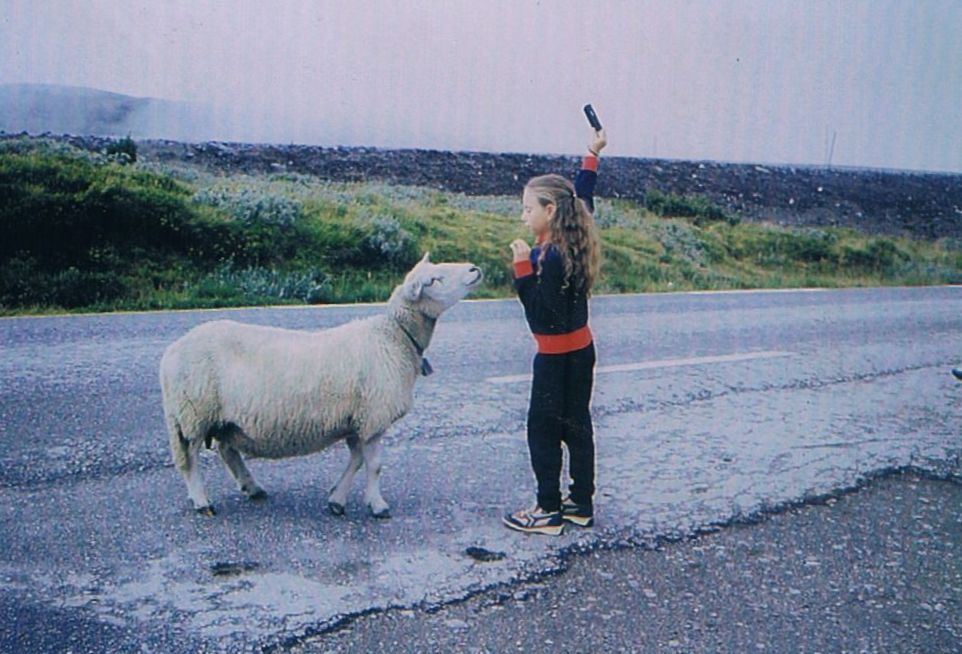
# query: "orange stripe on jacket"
564,343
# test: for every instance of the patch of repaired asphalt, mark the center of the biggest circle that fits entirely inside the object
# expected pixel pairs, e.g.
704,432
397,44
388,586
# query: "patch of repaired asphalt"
877,569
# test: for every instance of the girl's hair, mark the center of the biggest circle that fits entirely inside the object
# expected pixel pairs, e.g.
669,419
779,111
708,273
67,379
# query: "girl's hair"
572,230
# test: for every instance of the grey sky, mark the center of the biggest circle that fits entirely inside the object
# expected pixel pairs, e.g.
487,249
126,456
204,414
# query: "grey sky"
746,80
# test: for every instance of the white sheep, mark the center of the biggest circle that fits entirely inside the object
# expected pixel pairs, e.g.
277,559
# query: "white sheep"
275,393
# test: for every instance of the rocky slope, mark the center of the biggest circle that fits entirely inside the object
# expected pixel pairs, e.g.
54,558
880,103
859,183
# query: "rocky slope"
925,205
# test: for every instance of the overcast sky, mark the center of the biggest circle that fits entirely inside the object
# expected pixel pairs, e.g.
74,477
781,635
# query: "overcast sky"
746,80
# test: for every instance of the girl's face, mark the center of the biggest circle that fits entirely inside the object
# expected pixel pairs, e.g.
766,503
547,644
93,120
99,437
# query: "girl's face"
535,216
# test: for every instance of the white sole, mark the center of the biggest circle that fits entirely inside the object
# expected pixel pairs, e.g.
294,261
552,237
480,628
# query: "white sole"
579,521
547,531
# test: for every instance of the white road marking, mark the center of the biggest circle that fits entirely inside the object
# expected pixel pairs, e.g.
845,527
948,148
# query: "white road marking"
665,363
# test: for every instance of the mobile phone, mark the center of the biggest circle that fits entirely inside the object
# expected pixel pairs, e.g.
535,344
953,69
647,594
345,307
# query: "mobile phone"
592,117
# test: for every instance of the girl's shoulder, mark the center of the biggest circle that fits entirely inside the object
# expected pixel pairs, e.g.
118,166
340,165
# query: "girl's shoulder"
550,251
549,259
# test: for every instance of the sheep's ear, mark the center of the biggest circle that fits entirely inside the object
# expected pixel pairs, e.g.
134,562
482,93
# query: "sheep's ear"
412,289
416,282
417,279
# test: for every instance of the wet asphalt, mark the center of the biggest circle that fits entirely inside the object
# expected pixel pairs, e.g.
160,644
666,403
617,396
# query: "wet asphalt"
875,570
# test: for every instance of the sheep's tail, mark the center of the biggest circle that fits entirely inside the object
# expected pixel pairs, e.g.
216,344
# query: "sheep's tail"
175,434
179,446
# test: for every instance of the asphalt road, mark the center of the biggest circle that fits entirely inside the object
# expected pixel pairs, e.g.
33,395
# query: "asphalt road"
878,571
708,409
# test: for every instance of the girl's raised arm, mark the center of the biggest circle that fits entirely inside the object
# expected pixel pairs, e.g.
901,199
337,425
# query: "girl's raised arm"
588,175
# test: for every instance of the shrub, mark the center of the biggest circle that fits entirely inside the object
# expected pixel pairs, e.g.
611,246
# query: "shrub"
266,229
386,238
57,209
255,285
950,244
778,247
812,246
375,193
925,272
123,151
18,281
251,207
680,242
499,205
608,215
877,254
686,206
73,288
26,145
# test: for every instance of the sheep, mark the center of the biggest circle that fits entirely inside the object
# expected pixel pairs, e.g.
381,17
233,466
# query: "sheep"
275,393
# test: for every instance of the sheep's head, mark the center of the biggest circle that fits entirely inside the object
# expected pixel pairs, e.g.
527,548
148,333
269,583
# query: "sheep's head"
436,287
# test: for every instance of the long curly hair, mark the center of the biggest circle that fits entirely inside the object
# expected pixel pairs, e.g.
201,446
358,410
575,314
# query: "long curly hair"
572,230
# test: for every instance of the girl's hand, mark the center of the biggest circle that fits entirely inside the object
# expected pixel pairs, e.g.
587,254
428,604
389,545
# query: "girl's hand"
520,250
599,142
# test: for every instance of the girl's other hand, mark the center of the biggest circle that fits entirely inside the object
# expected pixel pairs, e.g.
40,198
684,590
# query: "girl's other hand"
599,142
520,250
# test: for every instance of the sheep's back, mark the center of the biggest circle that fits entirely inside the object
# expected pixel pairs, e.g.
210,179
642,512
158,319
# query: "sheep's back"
292,392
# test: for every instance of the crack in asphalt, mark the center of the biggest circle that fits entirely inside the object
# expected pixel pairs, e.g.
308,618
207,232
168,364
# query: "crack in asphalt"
864,441
616,540
10,481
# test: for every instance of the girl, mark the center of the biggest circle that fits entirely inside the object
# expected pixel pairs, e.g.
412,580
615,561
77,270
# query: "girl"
553,281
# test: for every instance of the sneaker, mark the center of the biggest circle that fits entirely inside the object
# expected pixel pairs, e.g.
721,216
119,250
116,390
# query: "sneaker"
577,514
535,521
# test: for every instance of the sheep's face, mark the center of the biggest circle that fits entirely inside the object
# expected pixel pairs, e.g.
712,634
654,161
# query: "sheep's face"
436,287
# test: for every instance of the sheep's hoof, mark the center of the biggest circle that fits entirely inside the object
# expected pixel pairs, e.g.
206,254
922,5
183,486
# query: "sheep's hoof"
206,511
258,495
335,508
384,514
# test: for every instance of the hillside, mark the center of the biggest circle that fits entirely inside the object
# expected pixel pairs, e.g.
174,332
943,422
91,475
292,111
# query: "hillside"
47,108
897,203
82,230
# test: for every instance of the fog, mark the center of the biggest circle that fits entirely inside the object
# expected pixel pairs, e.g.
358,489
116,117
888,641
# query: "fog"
851,83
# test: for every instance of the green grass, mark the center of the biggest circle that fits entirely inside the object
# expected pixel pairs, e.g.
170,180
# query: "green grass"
83,232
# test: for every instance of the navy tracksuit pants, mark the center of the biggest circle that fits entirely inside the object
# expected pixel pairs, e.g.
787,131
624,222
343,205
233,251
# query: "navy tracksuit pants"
559,413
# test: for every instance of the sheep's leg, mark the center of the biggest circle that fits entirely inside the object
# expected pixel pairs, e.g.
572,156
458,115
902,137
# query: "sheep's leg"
232,459
186,454
338,497
371,449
